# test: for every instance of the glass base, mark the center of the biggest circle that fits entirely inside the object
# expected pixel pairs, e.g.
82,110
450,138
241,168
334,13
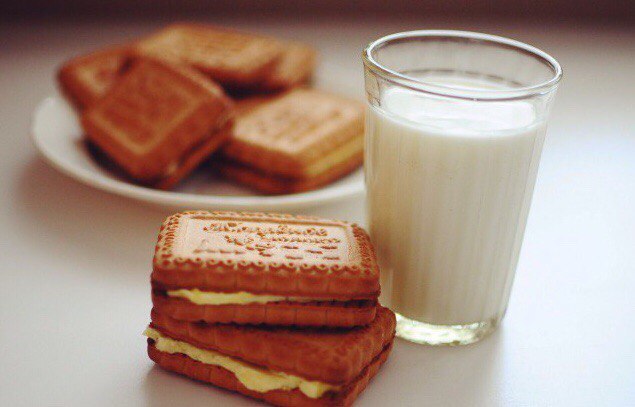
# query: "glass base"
451,335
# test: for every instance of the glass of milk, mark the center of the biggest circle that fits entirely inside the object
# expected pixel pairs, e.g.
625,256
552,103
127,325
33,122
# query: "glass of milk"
455,127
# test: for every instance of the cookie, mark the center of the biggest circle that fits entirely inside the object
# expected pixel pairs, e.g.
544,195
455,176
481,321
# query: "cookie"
85,79
223,378
192,159
155,118
232,58
255,268
246,104
278,185
295,67
295,142
287,367
314,313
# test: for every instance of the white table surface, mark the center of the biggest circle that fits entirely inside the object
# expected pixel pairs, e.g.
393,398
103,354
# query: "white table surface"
74,262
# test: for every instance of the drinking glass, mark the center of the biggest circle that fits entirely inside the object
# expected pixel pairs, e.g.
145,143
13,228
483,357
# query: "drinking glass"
455,127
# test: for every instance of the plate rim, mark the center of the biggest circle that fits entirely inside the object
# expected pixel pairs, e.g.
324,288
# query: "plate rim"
171,198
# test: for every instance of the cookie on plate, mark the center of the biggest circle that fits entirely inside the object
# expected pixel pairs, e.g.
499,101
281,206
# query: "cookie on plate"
251,268
232,58
85,79
158,121
245,104
295,142
282,366
295,67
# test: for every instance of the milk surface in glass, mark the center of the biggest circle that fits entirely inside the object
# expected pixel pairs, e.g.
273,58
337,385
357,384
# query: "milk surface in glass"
450,184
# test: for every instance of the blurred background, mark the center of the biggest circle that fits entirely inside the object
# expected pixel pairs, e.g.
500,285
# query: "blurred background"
561,10
593,40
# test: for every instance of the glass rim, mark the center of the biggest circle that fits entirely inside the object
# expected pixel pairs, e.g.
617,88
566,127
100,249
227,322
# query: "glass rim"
462,93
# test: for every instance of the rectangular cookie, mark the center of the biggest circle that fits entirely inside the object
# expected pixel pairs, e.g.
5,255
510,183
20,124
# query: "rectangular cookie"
295,142
85,79
246,104
279,185
178,172
294,67
193,158
232,58
155,118
285,367
254,268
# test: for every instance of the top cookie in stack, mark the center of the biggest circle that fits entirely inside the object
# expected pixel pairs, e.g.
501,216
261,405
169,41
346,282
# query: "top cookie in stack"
252,268
143,107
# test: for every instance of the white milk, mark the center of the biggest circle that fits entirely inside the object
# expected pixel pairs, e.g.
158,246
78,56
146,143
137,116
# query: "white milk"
449,187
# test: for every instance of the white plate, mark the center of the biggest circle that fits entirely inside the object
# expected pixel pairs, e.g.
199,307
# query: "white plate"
57,135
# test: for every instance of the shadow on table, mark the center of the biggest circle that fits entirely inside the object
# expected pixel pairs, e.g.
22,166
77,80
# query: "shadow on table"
99,231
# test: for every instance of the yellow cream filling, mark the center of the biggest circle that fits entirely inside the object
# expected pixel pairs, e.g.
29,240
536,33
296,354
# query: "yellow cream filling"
344,152
213,298
252,377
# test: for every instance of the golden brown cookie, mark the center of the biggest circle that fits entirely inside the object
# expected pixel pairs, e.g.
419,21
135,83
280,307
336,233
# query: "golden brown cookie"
230,57
194,158
172,178
295,67
85,79
277,185
316,313
155,118
318,367
297,141
225,379
248,103
282,269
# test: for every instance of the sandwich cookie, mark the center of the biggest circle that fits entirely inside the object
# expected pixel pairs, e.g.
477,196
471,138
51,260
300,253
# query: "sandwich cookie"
85,79
253,268
295,142
234,59
282,366
294,67
159,121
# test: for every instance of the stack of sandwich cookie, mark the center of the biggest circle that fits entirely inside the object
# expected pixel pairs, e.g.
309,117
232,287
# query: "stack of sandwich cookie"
277,307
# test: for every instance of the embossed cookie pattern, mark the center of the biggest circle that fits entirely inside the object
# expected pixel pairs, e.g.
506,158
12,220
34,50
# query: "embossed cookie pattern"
264,241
